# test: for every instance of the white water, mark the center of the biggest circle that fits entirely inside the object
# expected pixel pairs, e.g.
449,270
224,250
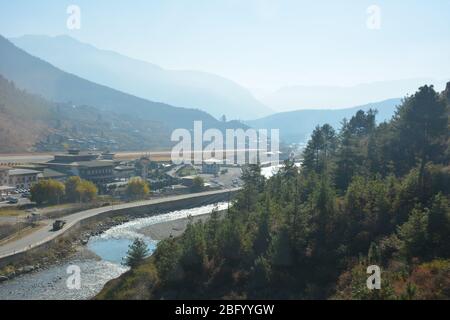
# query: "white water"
268,172
111,247
51,283
113,244
130,230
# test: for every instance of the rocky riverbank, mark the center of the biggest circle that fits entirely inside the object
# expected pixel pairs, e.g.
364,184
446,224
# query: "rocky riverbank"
174,228
65,249
74,247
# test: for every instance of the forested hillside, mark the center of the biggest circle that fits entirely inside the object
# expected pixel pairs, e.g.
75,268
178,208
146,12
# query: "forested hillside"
23,118
368,194
28,122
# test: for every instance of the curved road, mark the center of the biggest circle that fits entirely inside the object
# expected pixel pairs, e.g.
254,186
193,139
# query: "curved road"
45,234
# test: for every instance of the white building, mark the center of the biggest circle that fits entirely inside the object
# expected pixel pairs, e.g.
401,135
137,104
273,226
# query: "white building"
22,178
211,166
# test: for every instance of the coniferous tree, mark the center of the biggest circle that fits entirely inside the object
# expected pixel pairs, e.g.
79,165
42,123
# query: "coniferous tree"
309,232
414,234
421,127
439,226
137,252
320,149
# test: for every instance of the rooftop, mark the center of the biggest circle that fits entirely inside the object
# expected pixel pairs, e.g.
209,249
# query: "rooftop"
84,164
31,166
21,172
75,152
50,173
94,163
74,155
124,168
212,161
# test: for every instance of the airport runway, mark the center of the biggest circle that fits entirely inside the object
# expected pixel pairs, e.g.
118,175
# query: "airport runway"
23,158
44,157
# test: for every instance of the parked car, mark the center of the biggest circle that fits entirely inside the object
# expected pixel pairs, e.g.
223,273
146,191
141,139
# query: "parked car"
12,200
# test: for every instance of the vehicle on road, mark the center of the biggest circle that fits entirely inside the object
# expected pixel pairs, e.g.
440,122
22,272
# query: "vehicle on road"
58,225
12,200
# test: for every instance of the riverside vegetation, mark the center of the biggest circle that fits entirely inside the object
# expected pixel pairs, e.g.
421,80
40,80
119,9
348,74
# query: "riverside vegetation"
74,189
368,194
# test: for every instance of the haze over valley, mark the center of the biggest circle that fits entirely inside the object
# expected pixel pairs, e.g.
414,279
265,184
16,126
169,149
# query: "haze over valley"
224,150
105,93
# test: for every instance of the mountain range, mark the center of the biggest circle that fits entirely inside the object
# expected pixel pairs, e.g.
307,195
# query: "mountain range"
40,77
297,97
296,126
45,101
192,89
69,105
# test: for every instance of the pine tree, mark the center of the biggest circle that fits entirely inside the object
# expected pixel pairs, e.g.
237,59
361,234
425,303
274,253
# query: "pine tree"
137,252
320,149
421,126
414,234
439,226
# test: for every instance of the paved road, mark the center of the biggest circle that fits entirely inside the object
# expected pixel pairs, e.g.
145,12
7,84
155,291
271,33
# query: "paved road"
45,234
10,220
22,201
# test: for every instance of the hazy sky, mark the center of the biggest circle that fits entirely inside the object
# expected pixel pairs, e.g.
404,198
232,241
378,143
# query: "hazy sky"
257,43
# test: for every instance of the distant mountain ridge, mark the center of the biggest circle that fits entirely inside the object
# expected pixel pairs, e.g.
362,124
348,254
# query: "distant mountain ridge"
293,98
40,77
211,93
71,108
296,126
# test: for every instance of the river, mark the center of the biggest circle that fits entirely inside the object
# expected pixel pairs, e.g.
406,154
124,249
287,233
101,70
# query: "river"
102,263
268,172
